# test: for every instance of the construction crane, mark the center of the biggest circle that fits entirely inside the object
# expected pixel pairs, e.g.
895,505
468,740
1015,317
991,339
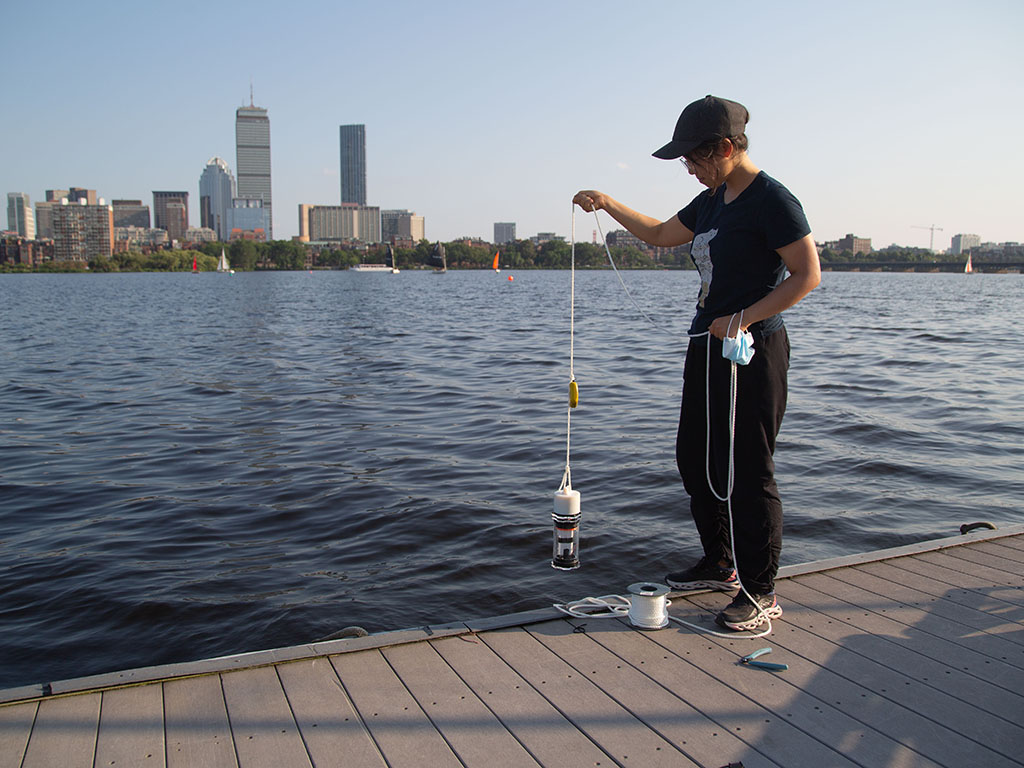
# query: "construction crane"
931,241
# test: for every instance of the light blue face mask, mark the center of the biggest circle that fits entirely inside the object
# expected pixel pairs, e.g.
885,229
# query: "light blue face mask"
738,348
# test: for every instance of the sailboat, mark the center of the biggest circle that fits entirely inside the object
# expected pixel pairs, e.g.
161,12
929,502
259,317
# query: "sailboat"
195,265
222,264
494,266
968,267
394,266
439,259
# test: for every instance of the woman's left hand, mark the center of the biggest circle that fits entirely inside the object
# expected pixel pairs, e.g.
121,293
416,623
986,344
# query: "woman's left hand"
720,326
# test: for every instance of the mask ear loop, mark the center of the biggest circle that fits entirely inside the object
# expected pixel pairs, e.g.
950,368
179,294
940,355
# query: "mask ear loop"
739,325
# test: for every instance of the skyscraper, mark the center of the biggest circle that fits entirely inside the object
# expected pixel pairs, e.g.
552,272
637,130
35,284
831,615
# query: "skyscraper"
252,158
216,191
19,215
353,164
170,212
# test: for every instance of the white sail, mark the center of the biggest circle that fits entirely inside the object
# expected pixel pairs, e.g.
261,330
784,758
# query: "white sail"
222,265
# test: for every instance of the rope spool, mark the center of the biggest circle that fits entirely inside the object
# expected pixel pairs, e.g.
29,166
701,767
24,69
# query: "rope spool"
648,606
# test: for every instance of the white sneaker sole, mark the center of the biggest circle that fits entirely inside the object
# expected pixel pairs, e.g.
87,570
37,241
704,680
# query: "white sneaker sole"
761,618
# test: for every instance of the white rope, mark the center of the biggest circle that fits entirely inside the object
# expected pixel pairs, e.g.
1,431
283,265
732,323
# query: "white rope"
567,474
604,242
620,607
603,609
731,477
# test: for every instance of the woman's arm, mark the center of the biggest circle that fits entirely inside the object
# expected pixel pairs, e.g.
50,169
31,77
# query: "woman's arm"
801,259
664,234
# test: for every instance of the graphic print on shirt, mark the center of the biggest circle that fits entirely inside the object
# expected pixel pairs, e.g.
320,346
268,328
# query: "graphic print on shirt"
701,255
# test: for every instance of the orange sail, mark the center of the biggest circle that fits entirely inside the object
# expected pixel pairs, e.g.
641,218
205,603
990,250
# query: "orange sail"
495,265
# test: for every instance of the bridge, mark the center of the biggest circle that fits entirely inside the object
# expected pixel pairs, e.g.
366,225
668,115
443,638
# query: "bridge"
920,266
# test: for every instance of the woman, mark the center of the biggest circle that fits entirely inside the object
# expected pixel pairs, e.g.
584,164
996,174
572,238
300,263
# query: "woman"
747,231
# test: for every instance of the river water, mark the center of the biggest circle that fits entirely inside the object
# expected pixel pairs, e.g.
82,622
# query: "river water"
200,465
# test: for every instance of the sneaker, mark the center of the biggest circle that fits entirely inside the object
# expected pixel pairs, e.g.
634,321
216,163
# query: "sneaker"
704,575
742,614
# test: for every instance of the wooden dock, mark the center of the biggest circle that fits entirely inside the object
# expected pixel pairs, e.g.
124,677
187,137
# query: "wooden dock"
905,657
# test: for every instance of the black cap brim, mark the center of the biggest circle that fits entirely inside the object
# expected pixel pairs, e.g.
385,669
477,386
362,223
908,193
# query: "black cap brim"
675,149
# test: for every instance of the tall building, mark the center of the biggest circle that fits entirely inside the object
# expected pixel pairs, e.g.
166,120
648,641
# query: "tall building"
252,158
82,231
353,164
216,191
130,213
19,215
504,232
401,225
960,243
170,212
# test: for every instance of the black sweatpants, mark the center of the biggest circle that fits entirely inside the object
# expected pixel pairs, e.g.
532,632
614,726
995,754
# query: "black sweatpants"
760,404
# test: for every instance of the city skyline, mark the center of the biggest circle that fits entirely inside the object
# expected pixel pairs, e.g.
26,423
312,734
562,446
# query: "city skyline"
874,115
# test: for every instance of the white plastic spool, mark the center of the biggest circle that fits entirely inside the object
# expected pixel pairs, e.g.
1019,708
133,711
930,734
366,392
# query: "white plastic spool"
648,606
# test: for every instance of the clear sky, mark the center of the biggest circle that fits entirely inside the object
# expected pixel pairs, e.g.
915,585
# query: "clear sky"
880,116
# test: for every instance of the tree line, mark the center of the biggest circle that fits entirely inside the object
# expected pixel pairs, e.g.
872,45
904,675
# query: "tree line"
248,255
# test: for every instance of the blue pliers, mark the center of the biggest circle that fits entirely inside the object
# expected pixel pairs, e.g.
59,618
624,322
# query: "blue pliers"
749,659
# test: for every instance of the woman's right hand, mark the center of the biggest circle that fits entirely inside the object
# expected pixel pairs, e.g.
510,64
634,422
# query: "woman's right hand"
590,200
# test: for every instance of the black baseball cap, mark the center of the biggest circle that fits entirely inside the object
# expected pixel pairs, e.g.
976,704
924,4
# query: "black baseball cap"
704,120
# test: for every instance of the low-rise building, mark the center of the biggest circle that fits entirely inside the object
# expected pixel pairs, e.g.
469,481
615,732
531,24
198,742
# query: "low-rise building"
402,225
345,222
144,239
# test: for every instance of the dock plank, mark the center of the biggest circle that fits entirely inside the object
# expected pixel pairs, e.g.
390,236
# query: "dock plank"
926,630
794,698
615,729
969,560
196,724
928,712
332,730
461,714
1014,542
762,736
982,589
536,724
131,730
15,729
984,610
840,675
262,725
933,669
1015,557
64,733
398,725
961,617
702,739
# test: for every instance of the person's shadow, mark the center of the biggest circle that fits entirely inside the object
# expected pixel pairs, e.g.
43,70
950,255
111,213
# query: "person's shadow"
910,661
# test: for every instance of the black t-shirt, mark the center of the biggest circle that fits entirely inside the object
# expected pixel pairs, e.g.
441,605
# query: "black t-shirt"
734,248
